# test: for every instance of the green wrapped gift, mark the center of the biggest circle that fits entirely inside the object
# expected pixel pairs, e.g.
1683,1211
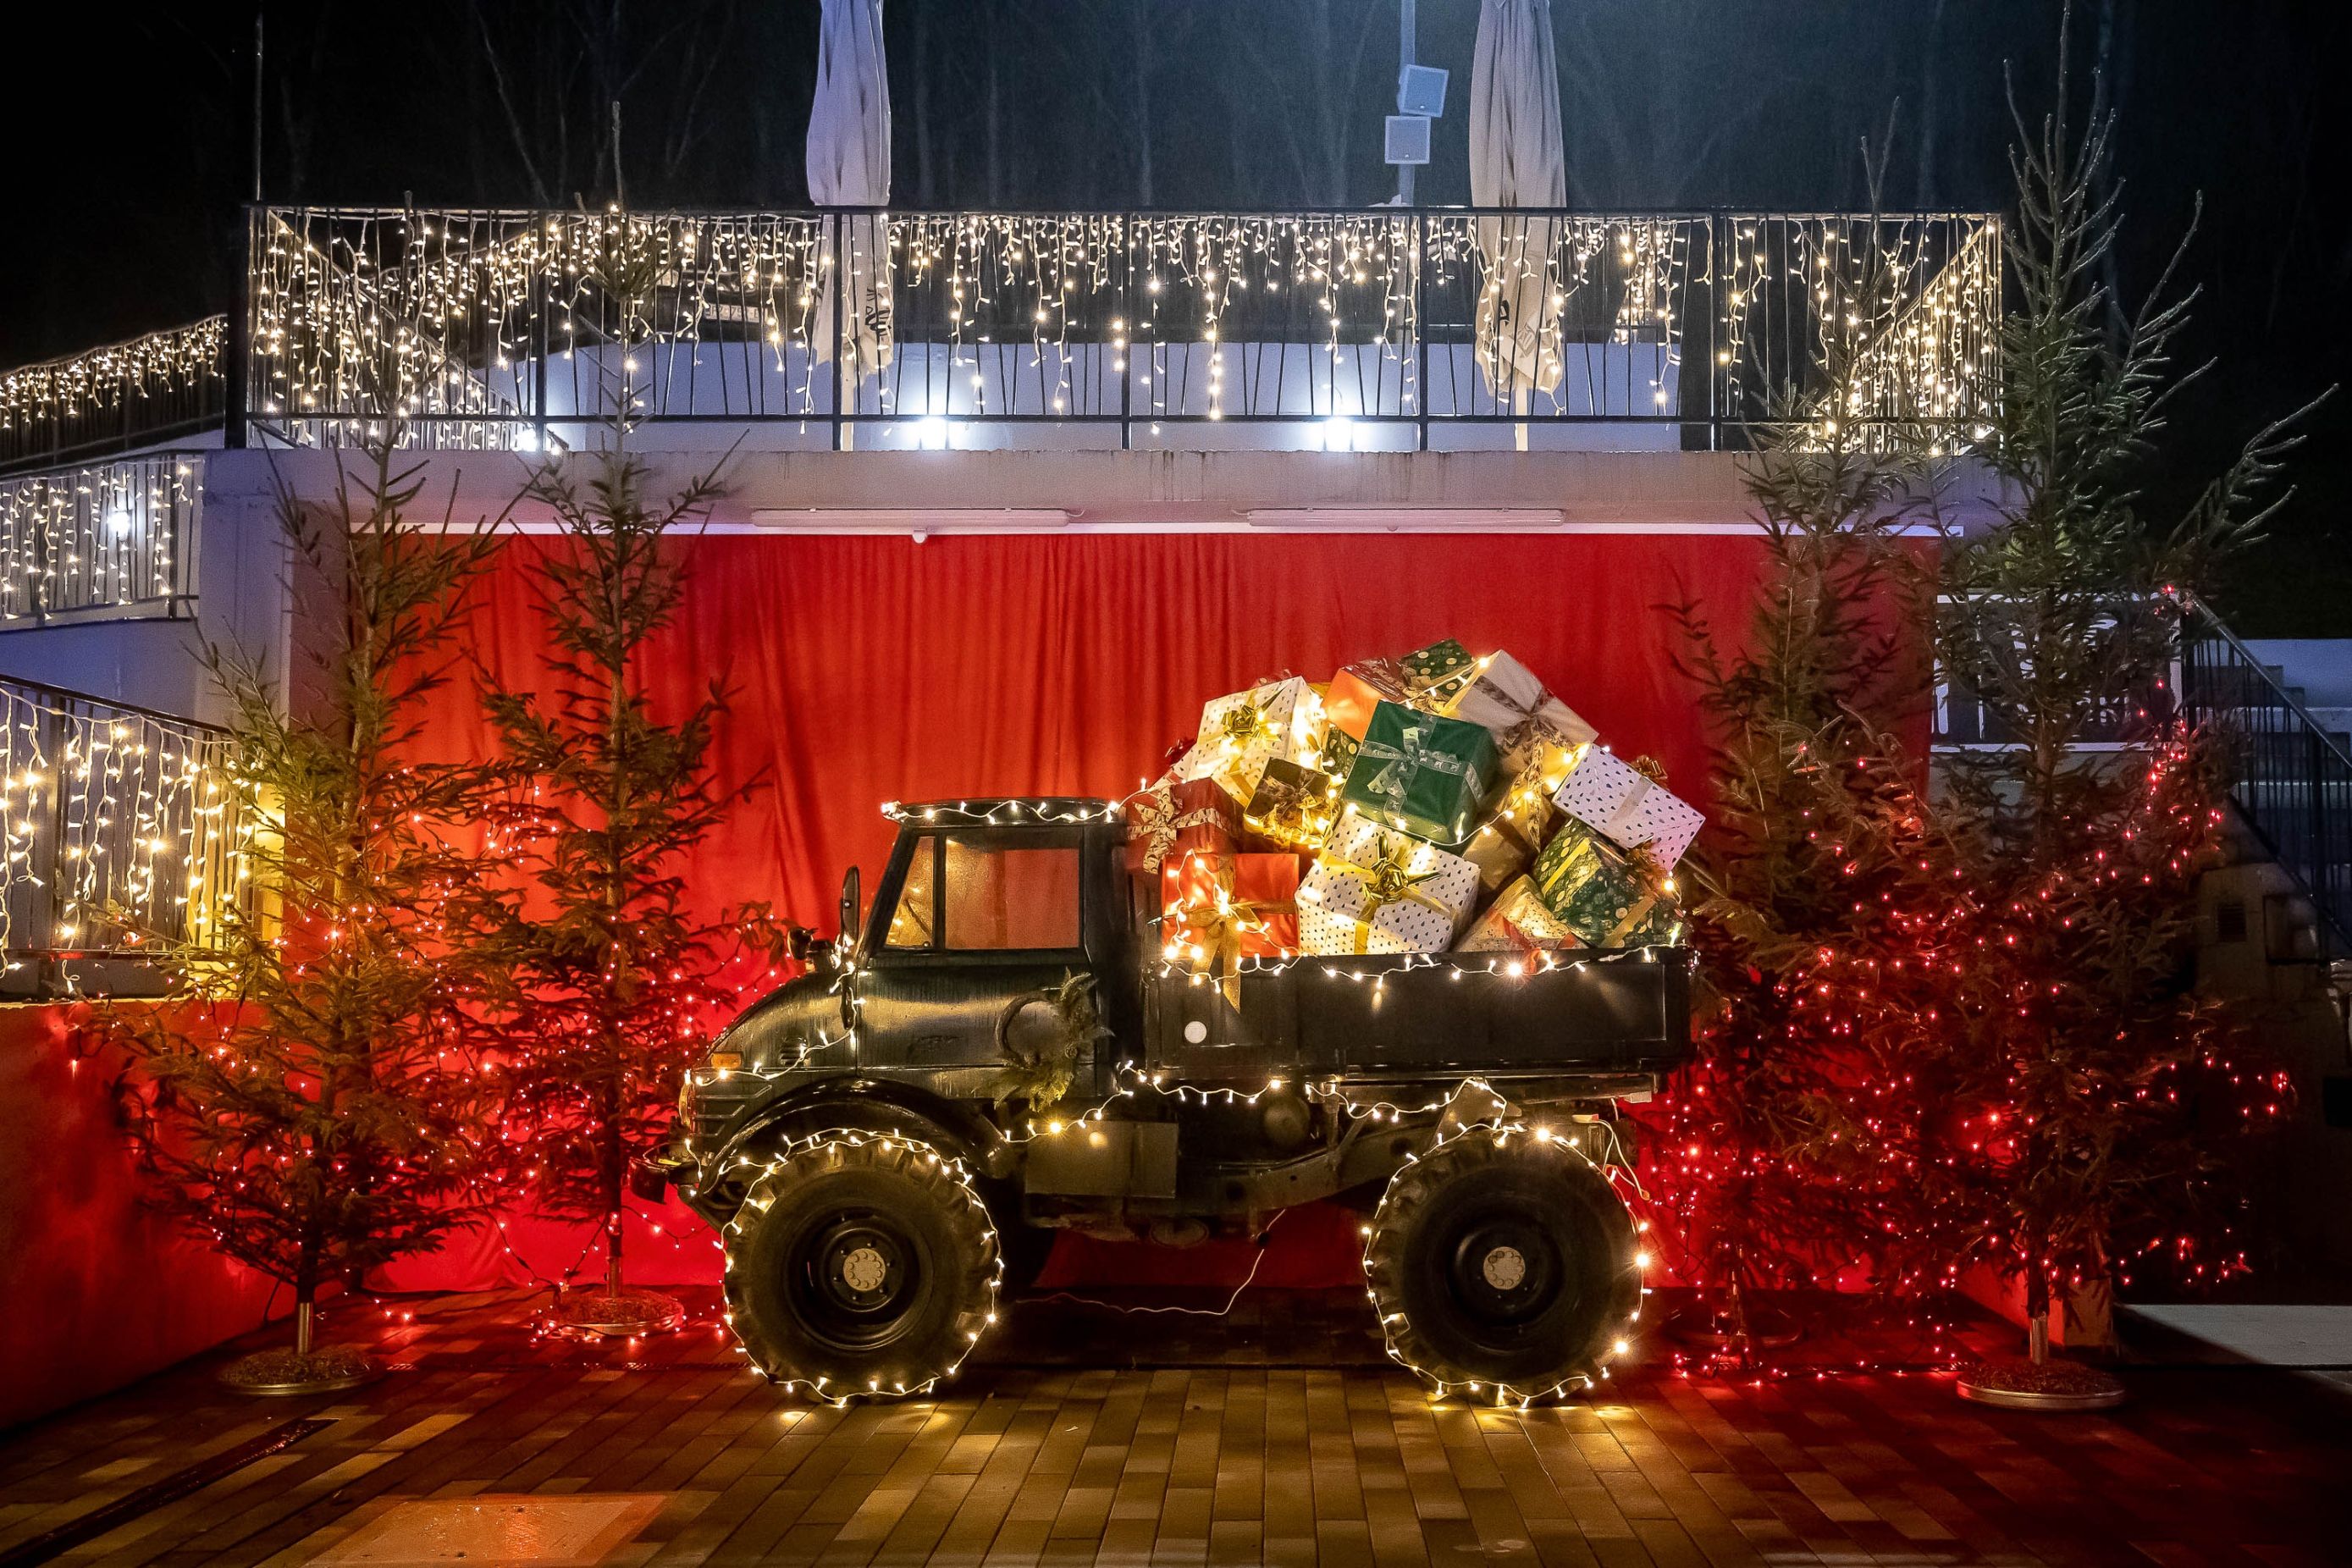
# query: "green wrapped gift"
1606,897
1436,672
1422,774
1338,752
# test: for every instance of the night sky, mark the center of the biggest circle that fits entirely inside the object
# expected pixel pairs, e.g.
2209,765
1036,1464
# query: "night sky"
132,125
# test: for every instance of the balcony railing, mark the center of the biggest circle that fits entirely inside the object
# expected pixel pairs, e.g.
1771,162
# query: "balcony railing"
1380,330
120,830
1384,329
141,393
102,541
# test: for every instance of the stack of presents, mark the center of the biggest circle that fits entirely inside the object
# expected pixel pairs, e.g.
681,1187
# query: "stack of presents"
1436,803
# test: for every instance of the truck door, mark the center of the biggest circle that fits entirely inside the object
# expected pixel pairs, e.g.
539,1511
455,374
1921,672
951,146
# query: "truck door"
964,922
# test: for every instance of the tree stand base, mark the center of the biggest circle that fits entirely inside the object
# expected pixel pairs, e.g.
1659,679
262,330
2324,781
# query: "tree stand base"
286,1373
2053,1387
619,1314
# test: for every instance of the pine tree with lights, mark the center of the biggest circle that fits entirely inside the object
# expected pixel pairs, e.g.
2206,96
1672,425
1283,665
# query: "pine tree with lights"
303,1098
2098,1093
608,980
1791,1147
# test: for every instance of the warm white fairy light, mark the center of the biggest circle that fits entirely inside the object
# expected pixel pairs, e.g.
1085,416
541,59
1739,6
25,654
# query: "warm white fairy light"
131,824
97,537
44,406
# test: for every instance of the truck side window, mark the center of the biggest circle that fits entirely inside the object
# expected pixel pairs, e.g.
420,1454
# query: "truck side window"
1004,898
916,918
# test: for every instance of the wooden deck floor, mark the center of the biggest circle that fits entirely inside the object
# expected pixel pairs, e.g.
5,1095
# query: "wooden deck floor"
1274,1435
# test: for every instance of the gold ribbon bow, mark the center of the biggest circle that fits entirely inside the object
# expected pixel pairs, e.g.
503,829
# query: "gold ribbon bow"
1387,880
1217,927
1151,817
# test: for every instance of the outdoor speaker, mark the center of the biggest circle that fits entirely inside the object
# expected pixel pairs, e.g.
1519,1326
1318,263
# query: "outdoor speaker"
1421,89
1408,139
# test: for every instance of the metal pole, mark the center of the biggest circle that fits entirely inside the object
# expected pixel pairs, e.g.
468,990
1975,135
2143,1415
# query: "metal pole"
1125,358
257,106
840,285
1407,20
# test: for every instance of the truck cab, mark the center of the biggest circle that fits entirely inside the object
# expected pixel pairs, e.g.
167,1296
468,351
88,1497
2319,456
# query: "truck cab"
874,1142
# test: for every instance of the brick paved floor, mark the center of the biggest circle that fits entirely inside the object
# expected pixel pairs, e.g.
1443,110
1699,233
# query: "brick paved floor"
1275,1435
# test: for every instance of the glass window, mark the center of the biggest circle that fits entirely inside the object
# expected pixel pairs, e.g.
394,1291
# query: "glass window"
1001,898
913,922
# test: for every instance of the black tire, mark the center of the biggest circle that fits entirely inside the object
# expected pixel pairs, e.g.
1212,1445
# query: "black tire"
861,1264
1502,1265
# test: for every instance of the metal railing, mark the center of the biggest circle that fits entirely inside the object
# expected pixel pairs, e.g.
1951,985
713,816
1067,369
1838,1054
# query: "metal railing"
104,540
140,393
2291,779
1389,328
122,831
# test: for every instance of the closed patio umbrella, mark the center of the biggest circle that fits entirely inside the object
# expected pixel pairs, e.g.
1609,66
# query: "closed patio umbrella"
1516,161
849,165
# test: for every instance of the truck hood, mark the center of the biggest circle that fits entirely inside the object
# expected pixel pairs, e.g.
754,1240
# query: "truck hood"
796,1024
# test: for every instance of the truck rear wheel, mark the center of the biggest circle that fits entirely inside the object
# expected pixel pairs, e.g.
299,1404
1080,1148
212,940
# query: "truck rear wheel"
861,1265
1502,1265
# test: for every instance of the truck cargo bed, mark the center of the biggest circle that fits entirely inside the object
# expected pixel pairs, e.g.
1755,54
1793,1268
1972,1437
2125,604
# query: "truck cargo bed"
1407,1016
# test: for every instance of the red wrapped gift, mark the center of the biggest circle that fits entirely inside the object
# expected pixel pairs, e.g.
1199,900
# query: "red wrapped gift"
1217,910
1358,688
1176,817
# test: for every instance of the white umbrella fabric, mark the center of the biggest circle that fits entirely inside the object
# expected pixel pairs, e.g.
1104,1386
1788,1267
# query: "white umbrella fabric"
849,166
1516,160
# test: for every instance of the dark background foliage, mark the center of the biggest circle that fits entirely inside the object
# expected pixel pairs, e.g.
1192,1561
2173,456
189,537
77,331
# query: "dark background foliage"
132,129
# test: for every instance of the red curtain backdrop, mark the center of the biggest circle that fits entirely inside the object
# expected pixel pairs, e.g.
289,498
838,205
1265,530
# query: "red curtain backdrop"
860,670
100,1290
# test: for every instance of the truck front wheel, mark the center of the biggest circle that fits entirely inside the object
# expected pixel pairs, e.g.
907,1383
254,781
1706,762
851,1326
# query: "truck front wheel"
1502,1265
861,1264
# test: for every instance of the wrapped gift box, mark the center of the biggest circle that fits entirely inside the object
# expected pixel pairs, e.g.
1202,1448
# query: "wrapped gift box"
1423,773
1435,674
1532,729
1176,815
1244,731
1516,922
1605,897
1217,910
1375,890
1626,807
1293,808
1353,694
1505,843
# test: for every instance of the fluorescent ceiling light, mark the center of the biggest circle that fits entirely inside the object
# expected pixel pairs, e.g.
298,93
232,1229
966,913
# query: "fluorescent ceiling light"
1414,518
910,520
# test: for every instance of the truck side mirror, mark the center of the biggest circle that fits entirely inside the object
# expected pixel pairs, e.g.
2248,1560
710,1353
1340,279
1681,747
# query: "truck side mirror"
851,911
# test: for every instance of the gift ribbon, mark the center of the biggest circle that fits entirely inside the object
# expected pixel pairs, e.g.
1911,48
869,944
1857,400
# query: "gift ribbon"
1387,880
1585,861
1403,763
1219,929
1287,805
1647,772
1531,725
1153,819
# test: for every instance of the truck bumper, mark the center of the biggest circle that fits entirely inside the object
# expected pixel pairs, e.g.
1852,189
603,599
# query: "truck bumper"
652,1175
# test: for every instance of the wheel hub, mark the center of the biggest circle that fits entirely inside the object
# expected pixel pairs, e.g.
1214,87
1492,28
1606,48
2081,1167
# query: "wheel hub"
1504,1267
863,1271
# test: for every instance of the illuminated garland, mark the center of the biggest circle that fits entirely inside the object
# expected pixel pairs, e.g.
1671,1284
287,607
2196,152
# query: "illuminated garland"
1505,1395
93,537
55,396
1043,314
132,823
954,1169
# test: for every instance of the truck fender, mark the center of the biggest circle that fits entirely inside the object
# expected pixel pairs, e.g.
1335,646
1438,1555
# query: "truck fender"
875,1105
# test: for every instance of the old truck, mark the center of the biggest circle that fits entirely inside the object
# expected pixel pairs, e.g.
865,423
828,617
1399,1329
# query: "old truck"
878,1187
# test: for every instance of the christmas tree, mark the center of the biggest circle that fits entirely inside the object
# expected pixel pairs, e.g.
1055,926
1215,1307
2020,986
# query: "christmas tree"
608,979
302,1098
2100,1091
